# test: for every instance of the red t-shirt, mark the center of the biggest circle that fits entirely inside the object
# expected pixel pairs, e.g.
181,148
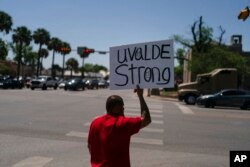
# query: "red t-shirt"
109,138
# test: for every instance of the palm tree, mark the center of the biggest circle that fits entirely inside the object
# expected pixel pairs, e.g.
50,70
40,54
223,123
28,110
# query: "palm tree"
22,36
3,50
5,22
72,64
54,45
65,49
41,37
30,58
43,54
5,26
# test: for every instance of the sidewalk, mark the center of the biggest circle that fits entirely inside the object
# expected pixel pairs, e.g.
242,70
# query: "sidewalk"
161,97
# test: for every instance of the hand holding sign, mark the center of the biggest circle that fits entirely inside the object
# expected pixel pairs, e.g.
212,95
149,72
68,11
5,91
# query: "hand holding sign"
138,90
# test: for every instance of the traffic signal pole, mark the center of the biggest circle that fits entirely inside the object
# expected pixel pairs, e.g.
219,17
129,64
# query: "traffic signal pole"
84,53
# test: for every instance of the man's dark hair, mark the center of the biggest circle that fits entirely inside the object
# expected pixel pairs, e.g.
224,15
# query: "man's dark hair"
112,101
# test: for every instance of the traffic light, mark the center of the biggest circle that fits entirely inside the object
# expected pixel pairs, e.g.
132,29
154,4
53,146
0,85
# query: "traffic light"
244,14
65,49
84,51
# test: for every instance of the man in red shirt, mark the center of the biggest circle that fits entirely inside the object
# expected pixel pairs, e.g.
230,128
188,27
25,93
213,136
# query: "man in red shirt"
109,134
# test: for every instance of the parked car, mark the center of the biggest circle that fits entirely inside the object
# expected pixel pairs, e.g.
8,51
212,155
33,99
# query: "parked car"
1,81
227,98
62,83
102,84
11,83
27,82
44,82
92,83
75,84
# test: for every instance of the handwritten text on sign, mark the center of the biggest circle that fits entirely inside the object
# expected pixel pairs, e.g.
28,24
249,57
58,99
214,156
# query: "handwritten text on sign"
150,65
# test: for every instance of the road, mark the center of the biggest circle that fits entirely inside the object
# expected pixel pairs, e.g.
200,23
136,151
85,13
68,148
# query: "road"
49,129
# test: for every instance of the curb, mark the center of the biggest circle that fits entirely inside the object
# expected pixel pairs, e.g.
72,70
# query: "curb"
163,98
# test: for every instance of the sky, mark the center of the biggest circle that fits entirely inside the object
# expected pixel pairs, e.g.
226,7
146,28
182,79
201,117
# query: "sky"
101,24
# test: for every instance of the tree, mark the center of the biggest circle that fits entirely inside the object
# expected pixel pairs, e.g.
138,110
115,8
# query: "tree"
88,67
5,22
3,50
219,57
208,53
57,67
21,37
72,64
41,37
5,26
30,58
201,37
54,45
180,55
64,50
43,54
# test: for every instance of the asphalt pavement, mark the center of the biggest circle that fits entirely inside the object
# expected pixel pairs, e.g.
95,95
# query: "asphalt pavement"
49,129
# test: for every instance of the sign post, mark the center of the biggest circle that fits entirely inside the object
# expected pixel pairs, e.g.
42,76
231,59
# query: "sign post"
149,65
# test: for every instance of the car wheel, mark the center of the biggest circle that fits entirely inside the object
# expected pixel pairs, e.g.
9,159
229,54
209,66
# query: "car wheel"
190,99
55,87
32,88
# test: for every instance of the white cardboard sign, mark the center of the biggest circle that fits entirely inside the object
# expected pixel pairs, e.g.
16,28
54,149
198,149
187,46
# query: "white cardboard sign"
149,65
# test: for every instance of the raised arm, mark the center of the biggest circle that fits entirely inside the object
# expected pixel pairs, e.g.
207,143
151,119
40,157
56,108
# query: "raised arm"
145,114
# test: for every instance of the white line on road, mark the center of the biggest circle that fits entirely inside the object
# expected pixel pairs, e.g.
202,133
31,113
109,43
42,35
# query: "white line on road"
150,106
137,114
154,130
36,161
133,139
157,122
77,134
146,141
87,124
184,109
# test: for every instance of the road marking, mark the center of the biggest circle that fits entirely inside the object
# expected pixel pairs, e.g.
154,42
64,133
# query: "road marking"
157,122
77,134
154,130
133,139
137,114
150,106
36,161
138,110
146,141
184,109
87,124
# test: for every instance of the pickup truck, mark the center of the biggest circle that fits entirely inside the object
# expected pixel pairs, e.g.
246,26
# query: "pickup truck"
44,82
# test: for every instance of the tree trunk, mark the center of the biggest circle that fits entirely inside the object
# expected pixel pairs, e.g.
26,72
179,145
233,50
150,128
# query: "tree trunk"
52,66
63,66
38,61
19,58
